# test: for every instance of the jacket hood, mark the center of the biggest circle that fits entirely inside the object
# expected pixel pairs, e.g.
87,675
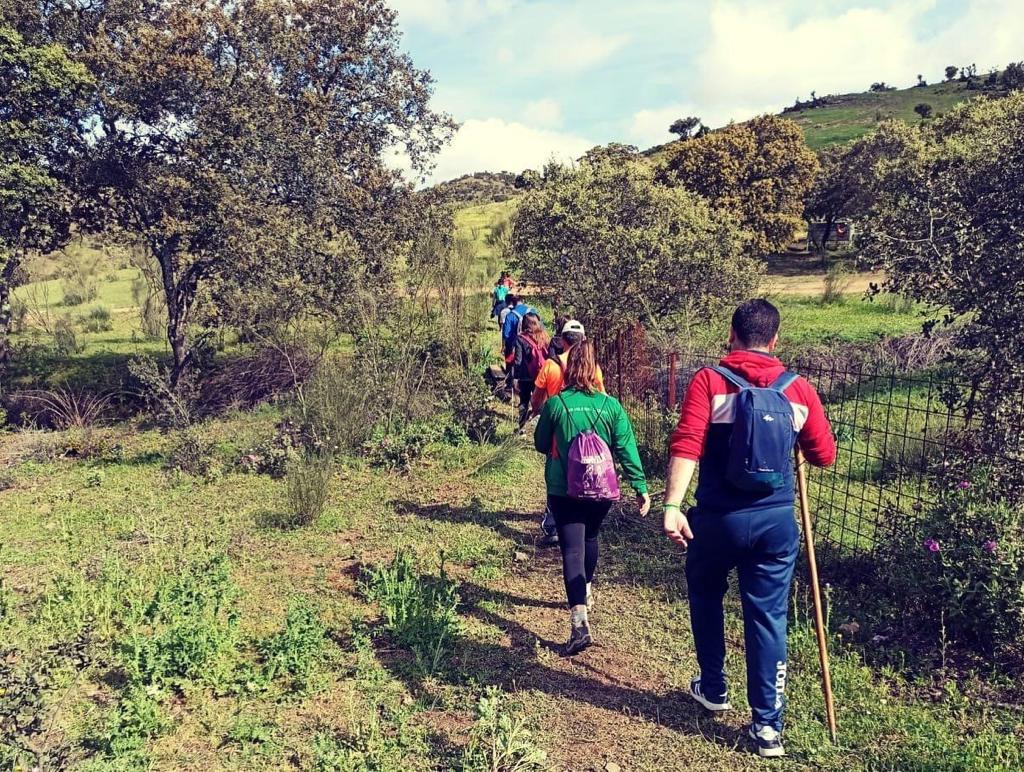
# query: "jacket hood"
759,368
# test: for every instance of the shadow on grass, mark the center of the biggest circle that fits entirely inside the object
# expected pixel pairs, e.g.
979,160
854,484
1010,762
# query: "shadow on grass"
520,666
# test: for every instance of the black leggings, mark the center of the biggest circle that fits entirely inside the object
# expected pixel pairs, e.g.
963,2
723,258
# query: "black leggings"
578,523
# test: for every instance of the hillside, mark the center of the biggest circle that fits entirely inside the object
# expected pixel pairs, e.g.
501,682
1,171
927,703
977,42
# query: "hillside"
845,117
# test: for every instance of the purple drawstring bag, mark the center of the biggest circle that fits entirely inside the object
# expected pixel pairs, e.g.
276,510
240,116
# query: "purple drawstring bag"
590,468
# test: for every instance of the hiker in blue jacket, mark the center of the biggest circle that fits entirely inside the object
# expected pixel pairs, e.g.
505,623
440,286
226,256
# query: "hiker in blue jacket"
510,327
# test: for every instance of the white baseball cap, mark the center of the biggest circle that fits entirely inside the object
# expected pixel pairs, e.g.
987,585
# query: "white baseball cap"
573,326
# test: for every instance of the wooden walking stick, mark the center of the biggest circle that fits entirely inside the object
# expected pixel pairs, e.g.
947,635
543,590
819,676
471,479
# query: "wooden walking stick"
819,618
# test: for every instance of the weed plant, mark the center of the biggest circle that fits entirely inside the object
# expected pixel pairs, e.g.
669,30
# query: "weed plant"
419,613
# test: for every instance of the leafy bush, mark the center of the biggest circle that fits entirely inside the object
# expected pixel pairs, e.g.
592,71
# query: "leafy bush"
193,454
80,276
962,567
296,649
400,448
98,320
499,740
188,630
419,612
65,341
471,402
273,455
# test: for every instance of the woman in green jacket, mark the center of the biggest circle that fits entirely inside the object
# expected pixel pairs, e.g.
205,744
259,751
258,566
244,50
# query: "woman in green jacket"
581,406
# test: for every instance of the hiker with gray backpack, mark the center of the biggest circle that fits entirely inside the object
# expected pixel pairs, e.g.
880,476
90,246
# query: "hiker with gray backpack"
741,420
582,432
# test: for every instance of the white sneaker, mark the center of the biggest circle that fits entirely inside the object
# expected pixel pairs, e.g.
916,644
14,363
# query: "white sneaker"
768,740
698,695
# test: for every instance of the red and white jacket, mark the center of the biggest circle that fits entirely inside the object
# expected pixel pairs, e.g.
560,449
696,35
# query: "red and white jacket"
705,427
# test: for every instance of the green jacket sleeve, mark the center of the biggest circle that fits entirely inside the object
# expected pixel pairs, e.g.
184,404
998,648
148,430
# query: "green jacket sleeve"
625,450
545,430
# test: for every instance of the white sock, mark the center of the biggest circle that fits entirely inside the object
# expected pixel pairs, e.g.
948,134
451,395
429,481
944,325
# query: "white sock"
578,616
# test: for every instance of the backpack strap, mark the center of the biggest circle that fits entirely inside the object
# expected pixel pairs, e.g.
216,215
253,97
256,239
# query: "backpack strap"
734,378
784,381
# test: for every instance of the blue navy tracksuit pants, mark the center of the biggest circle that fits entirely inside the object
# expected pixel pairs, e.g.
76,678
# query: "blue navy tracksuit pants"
762,546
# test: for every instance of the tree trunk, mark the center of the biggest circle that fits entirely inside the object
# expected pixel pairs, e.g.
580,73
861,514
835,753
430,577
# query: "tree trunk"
178,293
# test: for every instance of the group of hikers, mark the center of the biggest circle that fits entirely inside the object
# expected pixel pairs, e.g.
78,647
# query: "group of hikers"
738,426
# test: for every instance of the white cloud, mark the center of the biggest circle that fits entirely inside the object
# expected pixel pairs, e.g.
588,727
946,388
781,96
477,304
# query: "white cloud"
569,46
495,145
448,15
761,56
546,113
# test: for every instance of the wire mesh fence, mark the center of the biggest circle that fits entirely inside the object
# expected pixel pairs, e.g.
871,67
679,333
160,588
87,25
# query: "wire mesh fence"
896,428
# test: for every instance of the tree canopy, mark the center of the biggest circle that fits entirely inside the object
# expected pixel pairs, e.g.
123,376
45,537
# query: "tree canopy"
760,171
615,246
946,227
41,105
242,142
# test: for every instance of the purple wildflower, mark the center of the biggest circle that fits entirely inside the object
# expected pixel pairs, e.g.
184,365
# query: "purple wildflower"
931,545
964,485
990,546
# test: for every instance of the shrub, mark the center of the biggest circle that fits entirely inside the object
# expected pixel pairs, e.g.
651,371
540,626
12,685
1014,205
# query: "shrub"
296,649
471,402
97,320
962,567
193,454
399,449
170,408
65,341
65,407
308,479
272,456
336,409
499,740
188,630
419,612
80,275
837,283
19,314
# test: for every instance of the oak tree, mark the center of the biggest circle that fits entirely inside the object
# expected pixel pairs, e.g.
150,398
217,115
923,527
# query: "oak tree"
760,171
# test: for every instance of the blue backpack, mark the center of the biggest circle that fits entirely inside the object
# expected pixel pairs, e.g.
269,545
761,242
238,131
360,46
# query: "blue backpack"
763,435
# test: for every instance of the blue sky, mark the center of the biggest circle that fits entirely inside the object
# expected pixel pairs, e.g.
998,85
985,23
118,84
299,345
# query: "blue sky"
534,79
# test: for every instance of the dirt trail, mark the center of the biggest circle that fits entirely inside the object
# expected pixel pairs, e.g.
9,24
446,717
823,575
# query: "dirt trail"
623,701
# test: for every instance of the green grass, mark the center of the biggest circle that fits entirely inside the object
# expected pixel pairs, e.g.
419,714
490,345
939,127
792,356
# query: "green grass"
216,641
808,322
856,114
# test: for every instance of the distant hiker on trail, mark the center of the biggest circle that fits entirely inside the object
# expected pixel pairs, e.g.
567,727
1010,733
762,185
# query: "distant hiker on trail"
517,309
507,281
500,294
580,430
741,420
548,384
529,357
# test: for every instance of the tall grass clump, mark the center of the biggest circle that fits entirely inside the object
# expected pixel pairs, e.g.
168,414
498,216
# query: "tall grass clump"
98,320
296,649
419,612
306,483
836,284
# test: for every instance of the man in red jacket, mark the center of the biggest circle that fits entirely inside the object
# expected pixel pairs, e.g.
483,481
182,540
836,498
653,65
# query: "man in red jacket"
753,532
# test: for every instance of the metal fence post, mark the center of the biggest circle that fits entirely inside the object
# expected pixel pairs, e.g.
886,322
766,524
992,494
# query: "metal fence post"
673,363
618,360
